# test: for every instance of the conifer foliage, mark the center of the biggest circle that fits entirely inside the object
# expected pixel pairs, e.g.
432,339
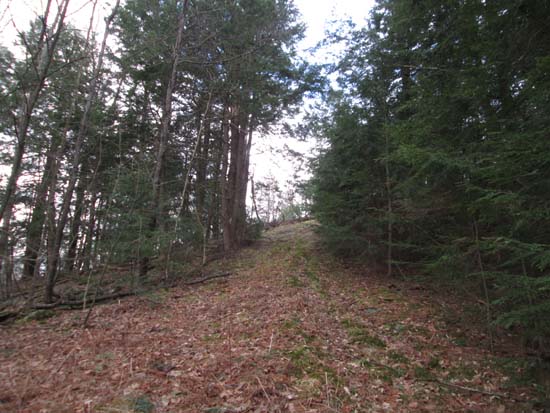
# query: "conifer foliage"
437,156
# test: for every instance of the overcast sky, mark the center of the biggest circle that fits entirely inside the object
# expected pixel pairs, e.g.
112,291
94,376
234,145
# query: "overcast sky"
316,13
268,156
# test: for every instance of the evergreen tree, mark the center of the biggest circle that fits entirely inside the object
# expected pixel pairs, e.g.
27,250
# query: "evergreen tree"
436,149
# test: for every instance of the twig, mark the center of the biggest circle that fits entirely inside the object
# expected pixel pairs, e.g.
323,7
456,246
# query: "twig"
488,312
327,389
263,389
472,389
270,342
60,366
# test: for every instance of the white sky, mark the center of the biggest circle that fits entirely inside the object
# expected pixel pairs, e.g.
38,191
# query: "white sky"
15,15
267,155
316,13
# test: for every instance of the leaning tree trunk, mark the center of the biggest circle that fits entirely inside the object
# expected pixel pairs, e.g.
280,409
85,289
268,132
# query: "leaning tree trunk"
55,246
6,268
43,57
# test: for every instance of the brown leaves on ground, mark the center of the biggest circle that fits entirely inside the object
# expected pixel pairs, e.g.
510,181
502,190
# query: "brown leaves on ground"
291,331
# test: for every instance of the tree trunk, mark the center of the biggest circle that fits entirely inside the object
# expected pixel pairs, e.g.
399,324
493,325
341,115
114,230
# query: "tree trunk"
202,166
75,225
86,253
254,204
224,179
234,213
35,228
55,244
221,175
389,205
5,265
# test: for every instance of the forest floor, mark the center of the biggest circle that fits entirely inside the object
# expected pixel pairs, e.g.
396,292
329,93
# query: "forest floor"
291,330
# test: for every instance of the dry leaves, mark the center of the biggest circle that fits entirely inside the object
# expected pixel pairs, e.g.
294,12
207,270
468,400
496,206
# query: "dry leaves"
291,331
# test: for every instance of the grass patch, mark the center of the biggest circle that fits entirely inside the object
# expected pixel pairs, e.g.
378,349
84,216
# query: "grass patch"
526,372
386,294
382,372
294,281
422,373
312,276
141,404
281,248
300,250
460,341
434,363
105,356
38,315
359,334
291,324
211,338
397,357
462,371
396,328
303,362
156,298
306,361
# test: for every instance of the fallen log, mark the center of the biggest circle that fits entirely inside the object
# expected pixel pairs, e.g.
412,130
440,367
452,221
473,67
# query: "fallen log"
207,277
79,303
75,304
6,315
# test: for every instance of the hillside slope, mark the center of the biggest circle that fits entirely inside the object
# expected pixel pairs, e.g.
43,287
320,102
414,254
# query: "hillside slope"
291,330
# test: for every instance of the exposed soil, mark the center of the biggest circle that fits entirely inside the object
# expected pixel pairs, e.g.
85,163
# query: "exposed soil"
292,330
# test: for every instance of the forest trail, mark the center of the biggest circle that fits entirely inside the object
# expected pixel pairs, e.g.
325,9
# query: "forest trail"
291,330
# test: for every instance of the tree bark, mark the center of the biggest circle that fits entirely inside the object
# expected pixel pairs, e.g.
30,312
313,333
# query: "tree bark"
234,213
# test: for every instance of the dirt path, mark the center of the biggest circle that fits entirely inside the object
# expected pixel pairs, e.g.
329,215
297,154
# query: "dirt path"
290,331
